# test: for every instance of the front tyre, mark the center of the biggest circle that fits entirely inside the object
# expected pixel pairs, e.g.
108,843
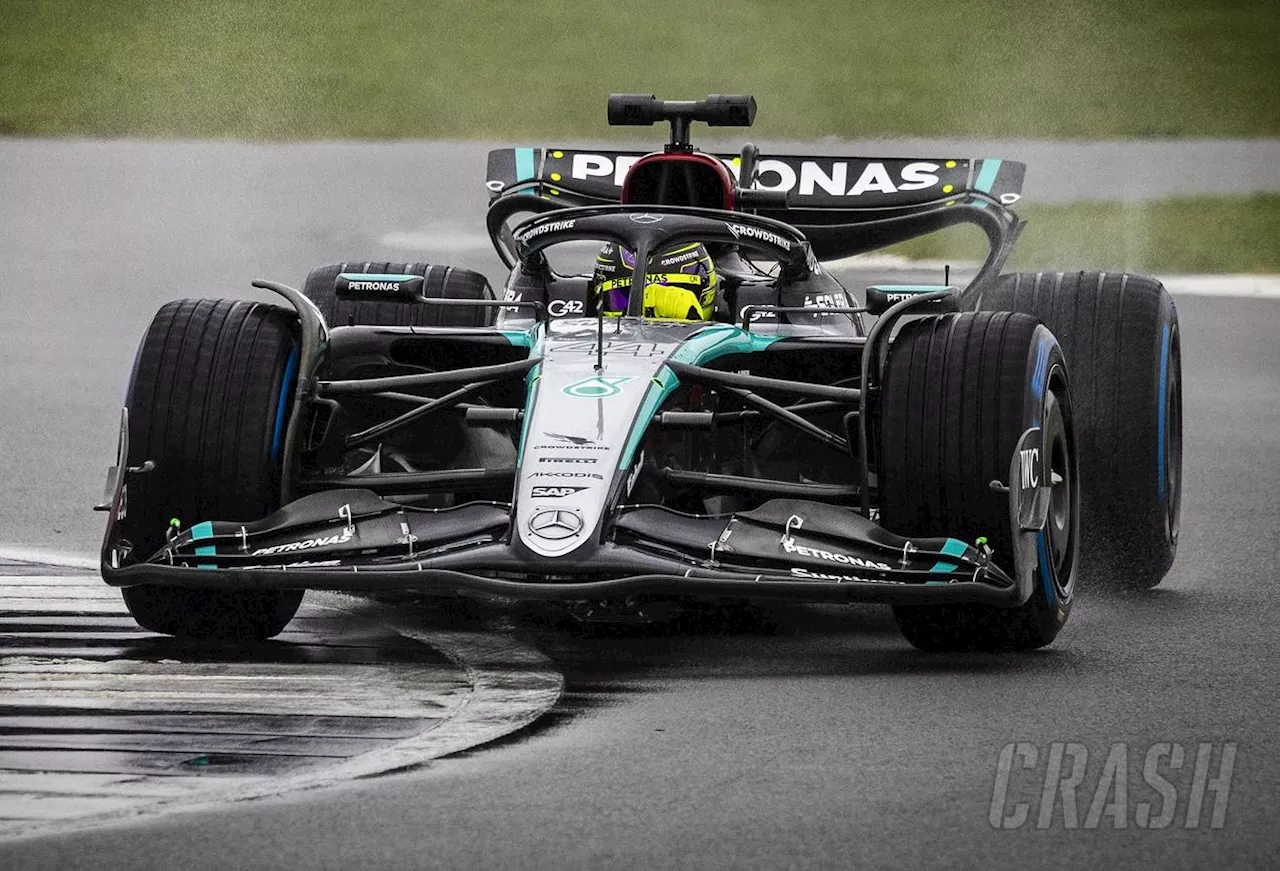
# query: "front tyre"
959,392
208,403
220,615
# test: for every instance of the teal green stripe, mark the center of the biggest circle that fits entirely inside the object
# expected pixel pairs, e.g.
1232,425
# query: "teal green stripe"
912,288
987,175
199,531
518,338
953,547
524,164
206,550
530,381
715,340
376,276
531,339
662,386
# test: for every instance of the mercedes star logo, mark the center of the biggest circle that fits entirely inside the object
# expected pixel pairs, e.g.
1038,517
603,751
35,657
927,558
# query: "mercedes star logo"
646,218
555,524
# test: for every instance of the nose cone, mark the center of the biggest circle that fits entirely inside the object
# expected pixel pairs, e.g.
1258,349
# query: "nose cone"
578,426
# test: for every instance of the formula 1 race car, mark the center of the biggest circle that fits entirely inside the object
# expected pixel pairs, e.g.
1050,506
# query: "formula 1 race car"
941,449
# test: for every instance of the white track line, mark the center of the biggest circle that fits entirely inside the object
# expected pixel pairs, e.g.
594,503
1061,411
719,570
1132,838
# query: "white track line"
1242,286
47,558
512,685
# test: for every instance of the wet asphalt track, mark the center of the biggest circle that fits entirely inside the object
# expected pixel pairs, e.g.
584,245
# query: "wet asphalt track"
797,737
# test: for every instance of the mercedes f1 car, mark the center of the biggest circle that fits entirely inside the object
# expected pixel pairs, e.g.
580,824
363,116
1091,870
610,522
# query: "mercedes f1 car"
941,449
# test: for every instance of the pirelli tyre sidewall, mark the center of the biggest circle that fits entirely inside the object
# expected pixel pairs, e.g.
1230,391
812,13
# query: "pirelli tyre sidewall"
208,404
1122,341
959,393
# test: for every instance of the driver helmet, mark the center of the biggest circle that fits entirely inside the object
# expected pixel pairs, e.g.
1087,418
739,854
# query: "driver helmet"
681,283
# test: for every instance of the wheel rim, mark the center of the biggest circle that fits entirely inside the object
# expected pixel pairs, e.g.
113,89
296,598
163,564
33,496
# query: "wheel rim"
1061,524
1062,484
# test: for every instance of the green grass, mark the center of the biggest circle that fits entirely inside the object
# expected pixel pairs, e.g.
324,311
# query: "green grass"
1192,235
307,69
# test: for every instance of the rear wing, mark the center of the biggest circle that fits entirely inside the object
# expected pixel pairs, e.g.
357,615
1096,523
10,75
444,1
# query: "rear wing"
836,184
844,206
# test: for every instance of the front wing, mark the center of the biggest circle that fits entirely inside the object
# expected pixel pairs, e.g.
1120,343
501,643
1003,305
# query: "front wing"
788,549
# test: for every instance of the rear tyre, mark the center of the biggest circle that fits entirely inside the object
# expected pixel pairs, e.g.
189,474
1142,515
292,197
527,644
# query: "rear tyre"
1120,336
441,282
208,403
959,392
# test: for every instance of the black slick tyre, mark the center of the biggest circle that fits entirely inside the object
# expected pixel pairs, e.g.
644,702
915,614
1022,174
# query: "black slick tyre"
1122,343
208,402
959,391
440,282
